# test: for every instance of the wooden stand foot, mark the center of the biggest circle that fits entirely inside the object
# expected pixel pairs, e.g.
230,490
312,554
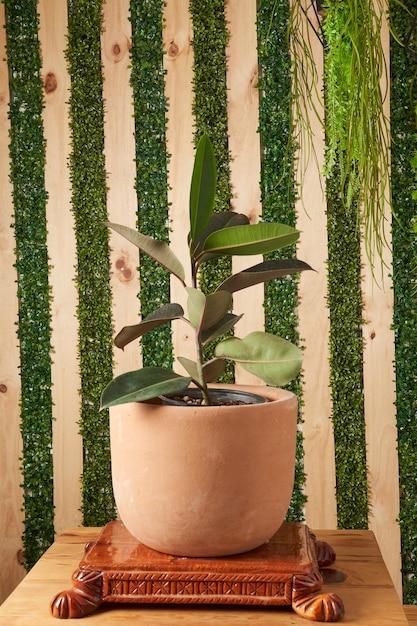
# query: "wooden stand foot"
84,598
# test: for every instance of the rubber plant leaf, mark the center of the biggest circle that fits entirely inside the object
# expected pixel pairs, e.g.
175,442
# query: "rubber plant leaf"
143,384
216,222
203,187
271,358
157,250
220,328
205,311
262,272
212,369
251,239
164,314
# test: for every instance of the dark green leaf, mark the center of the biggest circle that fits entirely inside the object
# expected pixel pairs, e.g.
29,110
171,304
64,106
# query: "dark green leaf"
263,272
143,384
157,250
203,187
161,316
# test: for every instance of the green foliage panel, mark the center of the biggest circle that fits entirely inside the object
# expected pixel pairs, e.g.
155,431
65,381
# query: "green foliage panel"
277,186
210,38
88,179
27,153
345,154
346,358
148,83
404,147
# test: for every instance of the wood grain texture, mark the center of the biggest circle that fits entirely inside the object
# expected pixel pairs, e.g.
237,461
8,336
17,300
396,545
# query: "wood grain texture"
365,587
11,528
178,61
121,172
245,153
314,328
67,442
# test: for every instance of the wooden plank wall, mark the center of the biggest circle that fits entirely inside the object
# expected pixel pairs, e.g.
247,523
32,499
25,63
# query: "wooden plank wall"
119,151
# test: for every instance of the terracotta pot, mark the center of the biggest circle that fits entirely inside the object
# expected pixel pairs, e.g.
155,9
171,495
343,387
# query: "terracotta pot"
204,481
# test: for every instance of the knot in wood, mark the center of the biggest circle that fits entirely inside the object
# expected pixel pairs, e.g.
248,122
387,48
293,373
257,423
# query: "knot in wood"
3,388
50,83
173,49
125,272
116,49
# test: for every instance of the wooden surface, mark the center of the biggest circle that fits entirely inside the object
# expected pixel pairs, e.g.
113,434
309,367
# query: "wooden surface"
119,155
367,590
411,613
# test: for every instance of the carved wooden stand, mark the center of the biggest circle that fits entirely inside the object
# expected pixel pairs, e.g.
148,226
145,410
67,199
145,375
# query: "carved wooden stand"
283,572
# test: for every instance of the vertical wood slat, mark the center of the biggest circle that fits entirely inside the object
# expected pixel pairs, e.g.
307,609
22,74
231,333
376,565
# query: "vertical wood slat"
244,145
319,461
178,62
67,443
121,171
11,527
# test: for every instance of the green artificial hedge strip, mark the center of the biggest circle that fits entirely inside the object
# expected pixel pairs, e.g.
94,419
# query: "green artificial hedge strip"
344,286
27,153
277,186
346,358
210,37
404,146
89,192
148,84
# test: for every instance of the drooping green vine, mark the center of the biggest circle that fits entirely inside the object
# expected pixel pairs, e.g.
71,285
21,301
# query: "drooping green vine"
148,83
88,178
210,38
404,240
277,184
357,134
350,45
27,153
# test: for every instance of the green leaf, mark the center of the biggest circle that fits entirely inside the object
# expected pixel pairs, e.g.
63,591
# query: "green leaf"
263,272
217,305
205,311
220,328
143,384
217,221
251,239
157,250
275,360
213,369
190,367
203,187
196,304
164,314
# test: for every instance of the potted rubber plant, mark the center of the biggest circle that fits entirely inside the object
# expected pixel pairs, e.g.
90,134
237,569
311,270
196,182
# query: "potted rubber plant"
198,468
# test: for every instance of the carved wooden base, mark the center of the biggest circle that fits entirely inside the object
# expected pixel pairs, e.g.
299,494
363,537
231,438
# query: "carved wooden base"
283,572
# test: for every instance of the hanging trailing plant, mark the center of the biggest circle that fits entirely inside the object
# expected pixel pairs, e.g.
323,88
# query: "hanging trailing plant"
27,154
88,179
357,133
278,186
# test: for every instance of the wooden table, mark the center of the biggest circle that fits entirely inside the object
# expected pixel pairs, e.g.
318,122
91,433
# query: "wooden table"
358,576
